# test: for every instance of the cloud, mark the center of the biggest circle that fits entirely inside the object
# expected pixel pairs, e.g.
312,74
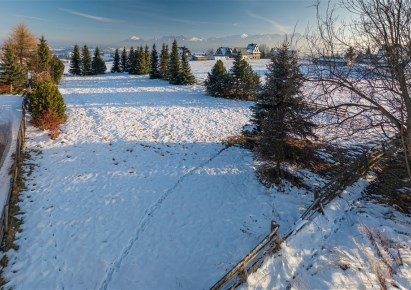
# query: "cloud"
244,35
89,16
30,17
196,39
276,25
134,37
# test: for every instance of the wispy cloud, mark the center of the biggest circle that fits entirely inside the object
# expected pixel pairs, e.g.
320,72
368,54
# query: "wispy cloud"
276,25
29,17
195,39
89,16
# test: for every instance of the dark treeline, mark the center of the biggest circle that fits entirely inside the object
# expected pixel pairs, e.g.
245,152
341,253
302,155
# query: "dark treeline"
170,66
81,63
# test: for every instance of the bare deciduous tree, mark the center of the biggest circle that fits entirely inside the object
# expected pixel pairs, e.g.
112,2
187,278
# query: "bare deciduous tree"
373,95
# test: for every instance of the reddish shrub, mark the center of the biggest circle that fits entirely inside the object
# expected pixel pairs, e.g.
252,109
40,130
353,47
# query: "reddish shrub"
49,120
4,89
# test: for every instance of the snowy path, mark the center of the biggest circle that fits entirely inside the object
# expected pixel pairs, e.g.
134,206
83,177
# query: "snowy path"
10,118
138,191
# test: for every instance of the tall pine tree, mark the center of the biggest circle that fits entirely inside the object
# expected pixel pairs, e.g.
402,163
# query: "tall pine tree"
13,73
279,111
244,81
56,69
85,61
164,62
130,61
139,60
75,61
98,65
43,56
174,68
146,67
154,72
217,82
186,77
116,62
123,63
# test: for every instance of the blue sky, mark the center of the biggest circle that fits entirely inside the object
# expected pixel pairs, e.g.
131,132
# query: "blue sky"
111,21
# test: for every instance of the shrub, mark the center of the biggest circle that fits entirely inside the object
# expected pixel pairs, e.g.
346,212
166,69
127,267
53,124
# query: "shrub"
46,105
48,120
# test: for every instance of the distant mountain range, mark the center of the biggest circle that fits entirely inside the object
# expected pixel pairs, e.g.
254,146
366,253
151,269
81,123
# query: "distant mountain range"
196,44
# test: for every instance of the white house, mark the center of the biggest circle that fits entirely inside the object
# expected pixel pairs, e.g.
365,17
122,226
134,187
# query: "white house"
250,52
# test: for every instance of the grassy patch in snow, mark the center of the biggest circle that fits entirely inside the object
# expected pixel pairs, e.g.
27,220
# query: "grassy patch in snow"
392,186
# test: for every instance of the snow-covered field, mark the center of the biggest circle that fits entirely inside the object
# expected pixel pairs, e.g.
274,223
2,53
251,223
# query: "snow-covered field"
140,191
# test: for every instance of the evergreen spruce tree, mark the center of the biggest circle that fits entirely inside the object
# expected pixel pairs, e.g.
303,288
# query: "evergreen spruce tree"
130,61
279,111
217,82
154,69
116,62
85,61
174,67
45,97
244,82
13,73
164,62
123,63
75,61
56,69
186,77
98,66
43,56
146,66
139,60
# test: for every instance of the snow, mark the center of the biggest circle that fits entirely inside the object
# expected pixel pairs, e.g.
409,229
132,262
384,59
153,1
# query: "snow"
10,118
140,191
334,251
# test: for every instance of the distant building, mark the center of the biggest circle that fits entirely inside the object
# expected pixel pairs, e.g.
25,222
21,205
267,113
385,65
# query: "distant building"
186,50
291,53
199,57
223,53
332,61
250,52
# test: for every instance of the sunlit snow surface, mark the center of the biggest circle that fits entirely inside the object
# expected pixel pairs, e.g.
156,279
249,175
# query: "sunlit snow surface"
138,191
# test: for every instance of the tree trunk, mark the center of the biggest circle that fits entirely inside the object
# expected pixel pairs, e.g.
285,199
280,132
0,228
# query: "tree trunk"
407,145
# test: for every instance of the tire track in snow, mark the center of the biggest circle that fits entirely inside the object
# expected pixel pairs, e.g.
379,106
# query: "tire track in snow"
148,214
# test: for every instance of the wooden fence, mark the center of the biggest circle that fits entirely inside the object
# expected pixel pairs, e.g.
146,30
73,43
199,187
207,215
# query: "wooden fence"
272,242
18,157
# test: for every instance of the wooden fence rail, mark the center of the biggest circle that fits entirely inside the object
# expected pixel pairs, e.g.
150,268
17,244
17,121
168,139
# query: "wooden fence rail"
326,194
18,157
240,270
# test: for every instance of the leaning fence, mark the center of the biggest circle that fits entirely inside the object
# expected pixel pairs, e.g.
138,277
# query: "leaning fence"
272,242
18,158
